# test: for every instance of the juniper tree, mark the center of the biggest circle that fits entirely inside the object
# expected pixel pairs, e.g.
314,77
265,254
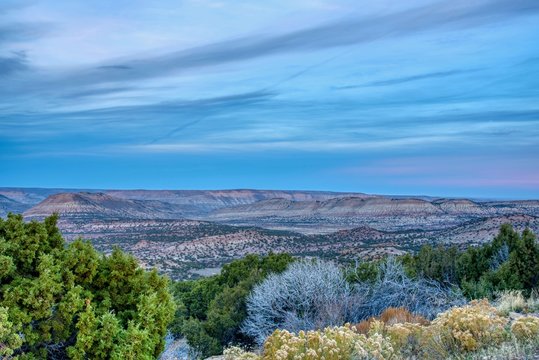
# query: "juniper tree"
69,301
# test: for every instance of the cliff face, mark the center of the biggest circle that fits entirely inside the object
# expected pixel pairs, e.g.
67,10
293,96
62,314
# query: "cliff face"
344,206
308,212
255,207
382,213
373,206
201,202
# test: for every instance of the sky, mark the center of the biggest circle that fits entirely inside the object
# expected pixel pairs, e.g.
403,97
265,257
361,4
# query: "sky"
387,97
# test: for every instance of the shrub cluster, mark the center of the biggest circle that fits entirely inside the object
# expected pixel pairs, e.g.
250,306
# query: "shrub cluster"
315,294
469,327
526,328
391,316
475,328
394,288
332,343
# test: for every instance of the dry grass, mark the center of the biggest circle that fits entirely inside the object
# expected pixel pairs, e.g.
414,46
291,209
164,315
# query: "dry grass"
400,315
510,301
391,316
514,301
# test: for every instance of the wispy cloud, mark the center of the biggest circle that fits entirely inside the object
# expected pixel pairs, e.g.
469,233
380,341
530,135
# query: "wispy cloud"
407,79
441,15
17,32
154,122
98,92
114,67
14,63
316,146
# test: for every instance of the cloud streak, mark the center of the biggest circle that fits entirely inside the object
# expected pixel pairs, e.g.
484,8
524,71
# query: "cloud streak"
17,32
438,16
441,15
407,79
17,62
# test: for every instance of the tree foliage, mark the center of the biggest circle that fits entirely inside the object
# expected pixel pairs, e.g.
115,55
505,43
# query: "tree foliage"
59,301
509,262
211,310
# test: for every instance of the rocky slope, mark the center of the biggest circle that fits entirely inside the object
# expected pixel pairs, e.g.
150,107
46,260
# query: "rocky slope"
8,205
345,206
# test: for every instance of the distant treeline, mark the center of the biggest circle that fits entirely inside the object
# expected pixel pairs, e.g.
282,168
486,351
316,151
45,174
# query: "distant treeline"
509,262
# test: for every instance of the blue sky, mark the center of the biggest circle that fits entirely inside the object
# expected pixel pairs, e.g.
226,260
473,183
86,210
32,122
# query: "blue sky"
415,97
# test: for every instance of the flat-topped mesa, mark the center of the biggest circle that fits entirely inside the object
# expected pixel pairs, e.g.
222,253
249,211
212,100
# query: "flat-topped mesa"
216,199
86,205
343,206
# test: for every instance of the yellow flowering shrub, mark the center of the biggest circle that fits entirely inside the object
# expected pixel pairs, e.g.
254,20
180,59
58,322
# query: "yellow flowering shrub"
404,334
469,327
237,353
453,334
526,328
330,344
375,346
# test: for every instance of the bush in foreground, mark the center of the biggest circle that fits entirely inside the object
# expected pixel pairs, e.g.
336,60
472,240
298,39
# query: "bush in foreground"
473,331
308,295
526,328
394,288
468,328
59,301
315,294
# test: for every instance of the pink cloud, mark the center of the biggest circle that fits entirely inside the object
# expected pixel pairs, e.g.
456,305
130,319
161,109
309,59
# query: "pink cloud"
457,171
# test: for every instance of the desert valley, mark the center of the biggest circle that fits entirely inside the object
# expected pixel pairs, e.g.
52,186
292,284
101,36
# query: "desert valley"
188,234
